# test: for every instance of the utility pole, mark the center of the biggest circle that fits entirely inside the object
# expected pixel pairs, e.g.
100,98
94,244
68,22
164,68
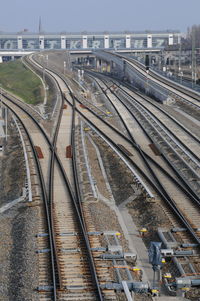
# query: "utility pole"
179,62
40,25
193,58
6,123
68,61
64,66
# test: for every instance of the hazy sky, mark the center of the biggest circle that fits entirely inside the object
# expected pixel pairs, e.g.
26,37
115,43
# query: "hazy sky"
98,15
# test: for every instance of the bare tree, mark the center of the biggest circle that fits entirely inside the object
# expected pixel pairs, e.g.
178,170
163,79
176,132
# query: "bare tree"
193,36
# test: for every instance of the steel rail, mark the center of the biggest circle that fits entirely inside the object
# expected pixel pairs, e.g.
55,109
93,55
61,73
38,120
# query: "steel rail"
77,195
119,114
50,196
51,188
169,132
76,206
135,145
162,193
46,203
189,188
117,82
175,86
171,165
71,193
190,169
79,199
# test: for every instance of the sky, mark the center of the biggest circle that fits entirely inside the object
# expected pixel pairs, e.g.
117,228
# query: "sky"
98,15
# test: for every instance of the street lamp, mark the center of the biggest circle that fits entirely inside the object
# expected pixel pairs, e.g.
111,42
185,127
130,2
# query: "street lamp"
64,66
47,59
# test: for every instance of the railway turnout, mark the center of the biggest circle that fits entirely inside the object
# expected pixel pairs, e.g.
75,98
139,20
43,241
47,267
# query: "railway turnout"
112,142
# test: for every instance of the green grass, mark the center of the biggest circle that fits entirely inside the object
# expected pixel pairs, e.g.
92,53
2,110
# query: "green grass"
19,80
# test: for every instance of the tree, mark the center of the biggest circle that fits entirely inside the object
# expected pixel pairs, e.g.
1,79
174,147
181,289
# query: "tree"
193,36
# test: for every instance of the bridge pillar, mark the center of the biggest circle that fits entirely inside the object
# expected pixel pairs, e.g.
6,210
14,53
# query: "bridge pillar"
170,39
179,38
63,42
41,42
128,41
84,38
19,42
108,68
149,41
98,64
112,66
106,42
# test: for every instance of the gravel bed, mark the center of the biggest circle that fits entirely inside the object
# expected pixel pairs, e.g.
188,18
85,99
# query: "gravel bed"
18,255
143,211
189,124
18,226
120,178
188,109
145,214
193,295
94,163
105,219
12,174
56,61
106,106
102,212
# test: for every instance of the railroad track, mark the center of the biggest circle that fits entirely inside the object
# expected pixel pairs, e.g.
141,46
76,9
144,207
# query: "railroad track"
170,201
89,122
129,100
187,268
159,86
193,211
45,232
177,153
127,89
81,282
86,103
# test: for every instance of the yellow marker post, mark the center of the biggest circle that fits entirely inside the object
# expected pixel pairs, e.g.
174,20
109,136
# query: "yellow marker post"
186,289
167,275
135,269
155,291
143,231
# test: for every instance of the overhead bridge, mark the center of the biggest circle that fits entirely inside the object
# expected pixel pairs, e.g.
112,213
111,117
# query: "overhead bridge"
18,44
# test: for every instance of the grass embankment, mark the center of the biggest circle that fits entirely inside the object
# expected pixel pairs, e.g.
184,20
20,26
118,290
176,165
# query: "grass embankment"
19,80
